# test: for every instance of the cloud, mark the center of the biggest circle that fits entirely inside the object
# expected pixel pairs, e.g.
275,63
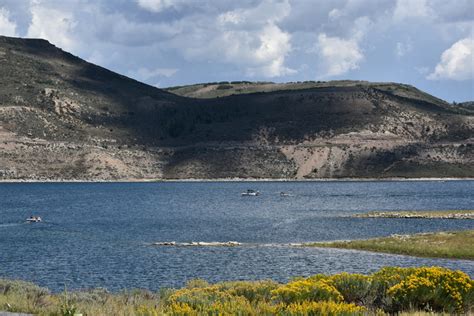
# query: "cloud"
339,55
146,74
159,5
411,9
422,70
7,27
447,11
249,38
54,25
401,49
457,62
214,40
270,54
116,28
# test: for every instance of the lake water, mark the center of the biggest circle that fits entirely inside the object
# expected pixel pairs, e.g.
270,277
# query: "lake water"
99,234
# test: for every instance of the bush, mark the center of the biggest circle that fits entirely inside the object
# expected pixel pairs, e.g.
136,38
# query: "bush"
210,301
321,308
306,290
353,287
27,289
224,87
252,291
381,281
392,290
198,297
433,289
18,296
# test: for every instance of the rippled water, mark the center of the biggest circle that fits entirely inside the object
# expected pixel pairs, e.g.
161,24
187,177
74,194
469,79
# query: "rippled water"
100,234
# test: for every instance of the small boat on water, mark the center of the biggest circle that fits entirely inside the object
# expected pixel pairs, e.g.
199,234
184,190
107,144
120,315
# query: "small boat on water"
250,193
284,194
34,219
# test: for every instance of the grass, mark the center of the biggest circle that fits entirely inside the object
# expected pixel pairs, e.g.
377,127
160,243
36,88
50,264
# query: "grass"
391,290
454,245
451,214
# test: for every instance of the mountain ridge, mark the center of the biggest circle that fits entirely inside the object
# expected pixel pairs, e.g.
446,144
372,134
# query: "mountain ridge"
62,118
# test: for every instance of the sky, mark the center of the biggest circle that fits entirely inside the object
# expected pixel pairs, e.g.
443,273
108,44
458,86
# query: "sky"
425,43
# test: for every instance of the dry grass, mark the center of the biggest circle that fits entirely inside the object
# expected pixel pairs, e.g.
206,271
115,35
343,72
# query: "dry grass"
458,245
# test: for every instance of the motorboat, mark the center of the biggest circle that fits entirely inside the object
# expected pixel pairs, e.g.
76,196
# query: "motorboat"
250,193
284,194
34,219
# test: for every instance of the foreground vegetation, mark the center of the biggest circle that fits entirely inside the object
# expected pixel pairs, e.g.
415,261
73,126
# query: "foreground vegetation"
457,245
455,214
390,290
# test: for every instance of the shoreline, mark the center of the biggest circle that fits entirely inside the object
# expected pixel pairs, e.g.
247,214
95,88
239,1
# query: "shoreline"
444,244
429,214
394,179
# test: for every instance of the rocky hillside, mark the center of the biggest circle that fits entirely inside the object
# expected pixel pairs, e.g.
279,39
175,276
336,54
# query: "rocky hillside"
62,118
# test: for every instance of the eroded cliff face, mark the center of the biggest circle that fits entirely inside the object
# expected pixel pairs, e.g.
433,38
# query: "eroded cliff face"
62,118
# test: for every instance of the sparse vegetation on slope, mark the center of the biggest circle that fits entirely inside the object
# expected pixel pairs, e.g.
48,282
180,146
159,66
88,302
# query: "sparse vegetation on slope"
64,118
388,291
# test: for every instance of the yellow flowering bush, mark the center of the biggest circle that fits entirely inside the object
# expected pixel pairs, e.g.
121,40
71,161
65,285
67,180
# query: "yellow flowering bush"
147,311
381,281
390,290
197,297
327,308
307,290
252,291
434,288
180,309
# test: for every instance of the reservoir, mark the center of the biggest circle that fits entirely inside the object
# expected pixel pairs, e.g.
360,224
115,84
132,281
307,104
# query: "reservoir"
101,234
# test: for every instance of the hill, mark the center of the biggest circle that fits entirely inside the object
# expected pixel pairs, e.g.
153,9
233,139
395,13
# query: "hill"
62,118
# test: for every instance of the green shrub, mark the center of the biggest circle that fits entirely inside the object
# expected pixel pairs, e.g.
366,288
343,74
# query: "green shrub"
27,289
354,288
197,283
381,281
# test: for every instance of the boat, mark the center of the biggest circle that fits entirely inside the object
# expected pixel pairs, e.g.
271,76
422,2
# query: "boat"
34,219
285,194
250,193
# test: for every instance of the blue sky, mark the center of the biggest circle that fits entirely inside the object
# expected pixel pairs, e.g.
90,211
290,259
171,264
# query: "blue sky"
426,43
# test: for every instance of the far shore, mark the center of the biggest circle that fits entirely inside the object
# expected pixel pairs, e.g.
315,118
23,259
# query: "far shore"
231,180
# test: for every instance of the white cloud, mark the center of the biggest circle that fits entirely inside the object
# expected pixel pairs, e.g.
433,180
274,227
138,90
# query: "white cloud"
248,38
7,27
158,5
411,9
339,55
422,70
267,11
116,28
54,25
401,49
457,62
335,14
145,74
